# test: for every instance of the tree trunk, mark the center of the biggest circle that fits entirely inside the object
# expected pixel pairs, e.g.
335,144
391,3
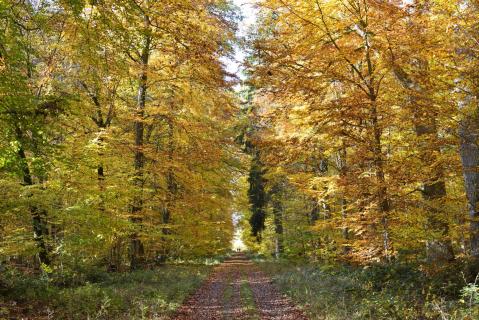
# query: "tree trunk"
136,246
345,229
469,150
278,227
172,189
115,255
39,216
314,213
382,196
277,206
341,165
257,196
101,181
434,188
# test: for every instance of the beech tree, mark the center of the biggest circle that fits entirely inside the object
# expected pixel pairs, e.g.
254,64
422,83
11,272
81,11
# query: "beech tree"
464,48
356,84
31,102
89,85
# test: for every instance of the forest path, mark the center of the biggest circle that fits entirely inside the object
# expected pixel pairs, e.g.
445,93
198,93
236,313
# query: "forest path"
237,289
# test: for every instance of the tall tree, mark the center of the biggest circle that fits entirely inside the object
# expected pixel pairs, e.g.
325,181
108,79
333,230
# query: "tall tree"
415,75
465,51
31,102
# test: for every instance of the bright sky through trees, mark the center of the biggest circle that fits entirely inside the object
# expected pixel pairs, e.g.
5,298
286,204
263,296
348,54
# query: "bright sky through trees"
248,12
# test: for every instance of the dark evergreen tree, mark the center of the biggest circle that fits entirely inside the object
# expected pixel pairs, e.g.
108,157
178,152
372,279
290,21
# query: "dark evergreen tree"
257,195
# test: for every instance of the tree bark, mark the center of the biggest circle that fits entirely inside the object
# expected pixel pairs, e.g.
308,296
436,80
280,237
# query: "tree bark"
39,216
382,196
469,150
278,228
342,167
278,220
136,246
172,189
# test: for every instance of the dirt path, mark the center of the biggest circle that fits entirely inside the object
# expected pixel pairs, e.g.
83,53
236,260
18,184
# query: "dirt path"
237,289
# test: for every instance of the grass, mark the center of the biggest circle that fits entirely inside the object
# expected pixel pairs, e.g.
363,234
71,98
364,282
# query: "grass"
146,294
398,292
228,291
247,299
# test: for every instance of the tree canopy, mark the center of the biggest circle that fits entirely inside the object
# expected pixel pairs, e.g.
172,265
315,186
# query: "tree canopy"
125,143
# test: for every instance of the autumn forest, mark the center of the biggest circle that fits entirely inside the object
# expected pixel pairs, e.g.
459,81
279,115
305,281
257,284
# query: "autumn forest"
334,143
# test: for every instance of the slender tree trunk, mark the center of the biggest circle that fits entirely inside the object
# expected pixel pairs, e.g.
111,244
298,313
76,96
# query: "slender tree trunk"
39,216
383,203
101,179
115,255
277,206
115,249
102,122
171,181
345,229
341,164
171,194
278,226
382,196
136,246
314,213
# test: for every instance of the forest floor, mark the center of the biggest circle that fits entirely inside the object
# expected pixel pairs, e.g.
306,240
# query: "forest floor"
244,288
94,293
377,292
238,289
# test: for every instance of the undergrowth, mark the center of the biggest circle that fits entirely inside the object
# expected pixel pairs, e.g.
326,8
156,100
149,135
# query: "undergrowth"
96,294
399,292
